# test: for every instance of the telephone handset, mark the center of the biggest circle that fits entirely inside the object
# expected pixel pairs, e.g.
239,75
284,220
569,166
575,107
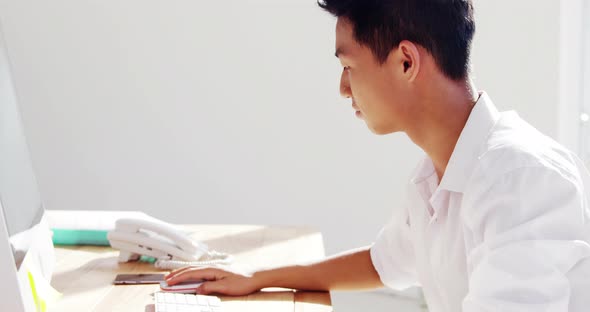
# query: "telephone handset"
154,238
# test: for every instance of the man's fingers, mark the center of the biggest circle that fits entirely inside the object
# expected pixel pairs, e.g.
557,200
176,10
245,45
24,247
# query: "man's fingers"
207,288
192,274
178,271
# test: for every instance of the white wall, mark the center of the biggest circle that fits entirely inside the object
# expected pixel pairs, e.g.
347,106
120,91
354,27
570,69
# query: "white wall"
200,111
516,57
228,111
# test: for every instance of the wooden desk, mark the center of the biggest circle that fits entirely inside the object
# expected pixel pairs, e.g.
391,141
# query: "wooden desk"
84,274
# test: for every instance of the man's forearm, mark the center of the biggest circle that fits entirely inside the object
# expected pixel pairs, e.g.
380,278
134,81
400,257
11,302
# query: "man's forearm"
348,271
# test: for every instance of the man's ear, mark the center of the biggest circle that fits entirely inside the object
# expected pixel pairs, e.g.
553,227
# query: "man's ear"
410,59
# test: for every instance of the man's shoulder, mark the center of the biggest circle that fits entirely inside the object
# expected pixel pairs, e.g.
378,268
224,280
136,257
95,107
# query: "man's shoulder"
514,145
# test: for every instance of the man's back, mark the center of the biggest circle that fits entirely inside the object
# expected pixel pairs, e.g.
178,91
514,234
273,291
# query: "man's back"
508,224
532,243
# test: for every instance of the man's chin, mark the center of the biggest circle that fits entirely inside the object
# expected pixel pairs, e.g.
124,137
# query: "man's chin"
381,130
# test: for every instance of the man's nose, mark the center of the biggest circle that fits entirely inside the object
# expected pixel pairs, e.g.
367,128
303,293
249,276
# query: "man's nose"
345,85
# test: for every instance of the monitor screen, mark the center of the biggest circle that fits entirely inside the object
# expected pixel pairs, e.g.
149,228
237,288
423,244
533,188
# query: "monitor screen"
19,195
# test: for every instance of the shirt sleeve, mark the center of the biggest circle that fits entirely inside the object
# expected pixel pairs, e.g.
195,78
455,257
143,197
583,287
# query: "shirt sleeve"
530,231
392,254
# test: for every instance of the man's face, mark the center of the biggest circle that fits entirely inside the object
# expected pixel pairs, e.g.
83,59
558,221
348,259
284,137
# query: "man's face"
376,90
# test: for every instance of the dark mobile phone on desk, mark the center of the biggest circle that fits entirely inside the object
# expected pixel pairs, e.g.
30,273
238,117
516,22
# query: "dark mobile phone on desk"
137,279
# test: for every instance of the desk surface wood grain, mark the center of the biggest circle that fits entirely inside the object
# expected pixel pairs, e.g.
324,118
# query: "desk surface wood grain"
84,274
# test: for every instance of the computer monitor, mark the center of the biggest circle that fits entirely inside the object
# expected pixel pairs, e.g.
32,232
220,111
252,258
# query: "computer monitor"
25,243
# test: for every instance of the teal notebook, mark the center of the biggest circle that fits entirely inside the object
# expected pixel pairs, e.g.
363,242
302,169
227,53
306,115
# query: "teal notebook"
80,237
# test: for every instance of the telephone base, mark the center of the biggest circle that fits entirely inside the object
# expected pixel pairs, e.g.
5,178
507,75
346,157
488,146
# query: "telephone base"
125,256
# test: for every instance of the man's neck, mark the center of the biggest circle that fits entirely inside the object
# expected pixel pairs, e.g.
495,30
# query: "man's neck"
444,113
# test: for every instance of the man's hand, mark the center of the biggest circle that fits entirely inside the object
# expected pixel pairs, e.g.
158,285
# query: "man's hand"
217,281
348,271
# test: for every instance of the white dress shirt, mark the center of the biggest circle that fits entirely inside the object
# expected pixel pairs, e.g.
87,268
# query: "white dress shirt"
507,229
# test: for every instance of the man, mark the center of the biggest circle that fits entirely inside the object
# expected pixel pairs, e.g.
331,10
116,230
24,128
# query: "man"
497,217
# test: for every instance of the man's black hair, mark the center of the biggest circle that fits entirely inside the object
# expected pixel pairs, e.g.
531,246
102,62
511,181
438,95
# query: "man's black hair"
444,28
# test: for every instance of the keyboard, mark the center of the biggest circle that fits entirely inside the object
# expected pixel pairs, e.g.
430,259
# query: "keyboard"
177,302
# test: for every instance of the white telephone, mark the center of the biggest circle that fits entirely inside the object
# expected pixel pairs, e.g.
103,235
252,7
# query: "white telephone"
154,238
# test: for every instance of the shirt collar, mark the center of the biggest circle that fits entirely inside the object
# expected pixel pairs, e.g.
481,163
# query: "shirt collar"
423,171
482,119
